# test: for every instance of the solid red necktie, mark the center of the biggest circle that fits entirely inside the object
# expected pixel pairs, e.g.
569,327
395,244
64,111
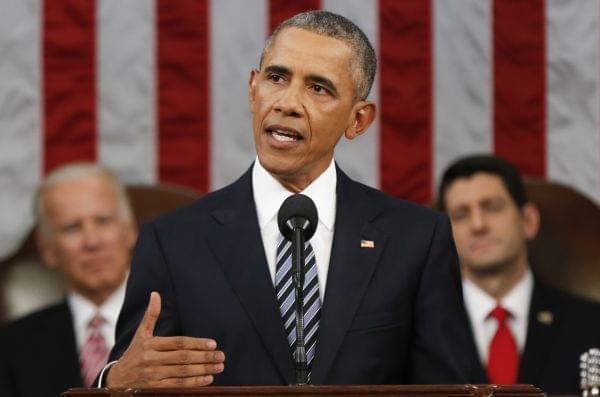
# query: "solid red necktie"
503,359
94,352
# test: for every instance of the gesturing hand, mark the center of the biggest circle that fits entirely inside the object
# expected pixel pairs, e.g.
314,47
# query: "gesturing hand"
153,361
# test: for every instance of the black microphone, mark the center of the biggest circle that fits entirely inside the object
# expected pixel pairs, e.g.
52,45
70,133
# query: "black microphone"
297,220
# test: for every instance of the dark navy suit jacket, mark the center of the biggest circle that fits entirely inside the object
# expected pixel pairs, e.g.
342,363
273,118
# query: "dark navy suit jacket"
38,354
561,327
391,314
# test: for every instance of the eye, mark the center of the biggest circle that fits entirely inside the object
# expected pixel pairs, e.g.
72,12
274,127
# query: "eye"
70,228
104,220
319,89
459,214
275,78
495,205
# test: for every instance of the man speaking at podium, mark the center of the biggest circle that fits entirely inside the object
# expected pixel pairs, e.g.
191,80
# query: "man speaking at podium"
388,309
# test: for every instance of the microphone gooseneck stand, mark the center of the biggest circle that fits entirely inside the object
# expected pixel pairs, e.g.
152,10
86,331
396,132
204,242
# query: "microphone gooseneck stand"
298,275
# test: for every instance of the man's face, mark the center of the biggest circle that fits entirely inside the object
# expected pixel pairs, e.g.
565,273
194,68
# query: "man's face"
86,235
302,101
490,231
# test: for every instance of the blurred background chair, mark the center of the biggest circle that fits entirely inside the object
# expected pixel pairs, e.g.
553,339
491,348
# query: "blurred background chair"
27,285
566,252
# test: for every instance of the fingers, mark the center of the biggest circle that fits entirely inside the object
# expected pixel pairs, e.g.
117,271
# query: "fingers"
146,327
197,381
182,343
186,371
182,357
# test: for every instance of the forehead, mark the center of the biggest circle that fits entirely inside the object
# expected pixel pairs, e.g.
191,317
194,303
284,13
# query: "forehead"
479,186
314,53
80,196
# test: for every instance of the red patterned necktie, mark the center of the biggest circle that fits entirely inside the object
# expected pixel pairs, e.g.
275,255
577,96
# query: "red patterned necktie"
94,352
503,360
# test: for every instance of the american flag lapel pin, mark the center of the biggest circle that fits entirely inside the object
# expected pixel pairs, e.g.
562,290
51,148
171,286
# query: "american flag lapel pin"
367,244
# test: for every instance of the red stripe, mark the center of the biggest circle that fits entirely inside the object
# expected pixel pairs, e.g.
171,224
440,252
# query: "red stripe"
280,10
406,99
183,93
69,81
520,84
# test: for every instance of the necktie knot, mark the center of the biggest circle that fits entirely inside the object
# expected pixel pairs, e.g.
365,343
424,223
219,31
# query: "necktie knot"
96,322
500,314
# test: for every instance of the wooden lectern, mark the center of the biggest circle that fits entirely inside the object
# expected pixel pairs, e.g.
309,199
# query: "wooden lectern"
312,391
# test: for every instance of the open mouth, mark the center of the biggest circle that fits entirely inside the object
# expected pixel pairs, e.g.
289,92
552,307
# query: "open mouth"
283,134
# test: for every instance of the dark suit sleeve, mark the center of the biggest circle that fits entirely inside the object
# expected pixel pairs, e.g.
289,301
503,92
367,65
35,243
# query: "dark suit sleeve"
149,272
442,351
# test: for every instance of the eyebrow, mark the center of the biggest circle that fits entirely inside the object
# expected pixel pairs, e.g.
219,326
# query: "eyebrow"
315,78
277,69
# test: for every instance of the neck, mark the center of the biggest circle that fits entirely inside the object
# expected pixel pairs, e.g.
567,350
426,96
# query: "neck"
98,298
499,283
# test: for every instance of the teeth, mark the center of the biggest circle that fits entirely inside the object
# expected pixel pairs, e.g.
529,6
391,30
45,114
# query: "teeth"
282,137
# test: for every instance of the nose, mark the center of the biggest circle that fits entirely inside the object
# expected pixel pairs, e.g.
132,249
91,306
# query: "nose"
478,221
290,101
91,236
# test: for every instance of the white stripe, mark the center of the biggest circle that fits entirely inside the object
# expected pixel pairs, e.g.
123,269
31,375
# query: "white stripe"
462,80
360,157
283,251
238,31
309,295
284,288
126,88
572,53
20,118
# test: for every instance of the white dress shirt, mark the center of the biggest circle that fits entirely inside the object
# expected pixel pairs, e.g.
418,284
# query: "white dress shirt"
269,194
479,305
83,310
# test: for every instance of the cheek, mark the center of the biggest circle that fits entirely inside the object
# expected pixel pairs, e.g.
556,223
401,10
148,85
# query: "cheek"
68,247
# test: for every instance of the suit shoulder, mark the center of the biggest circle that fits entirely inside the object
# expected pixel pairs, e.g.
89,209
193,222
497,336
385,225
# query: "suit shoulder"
205,205
36,321
574,304
394,206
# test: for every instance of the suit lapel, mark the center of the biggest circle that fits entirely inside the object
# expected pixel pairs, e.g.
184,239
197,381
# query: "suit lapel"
540,332
350,270
238,245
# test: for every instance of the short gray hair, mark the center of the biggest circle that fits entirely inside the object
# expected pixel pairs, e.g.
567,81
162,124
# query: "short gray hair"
74,171
364,60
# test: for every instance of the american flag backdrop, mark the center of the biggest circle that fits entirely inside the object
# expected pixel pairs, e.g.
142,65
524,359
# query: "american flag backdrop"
157,90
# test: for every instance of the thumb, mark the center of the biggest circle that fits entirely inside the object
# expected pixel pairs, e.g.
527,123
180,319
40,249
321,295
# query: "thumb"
146,327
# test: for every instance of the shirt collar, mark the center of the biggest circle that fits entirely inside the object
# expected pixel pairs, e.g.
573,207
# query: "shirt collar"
83,309
269,194
517,300
479,304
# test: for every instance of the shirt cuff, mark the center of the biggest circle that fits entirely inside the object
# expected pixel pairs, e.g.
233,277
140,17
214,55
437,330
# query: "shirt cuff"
104,373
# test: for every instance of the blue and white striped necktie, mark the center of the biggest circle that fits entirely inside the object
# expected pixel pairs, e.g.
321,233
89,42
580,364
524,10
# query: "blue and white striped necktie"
284,286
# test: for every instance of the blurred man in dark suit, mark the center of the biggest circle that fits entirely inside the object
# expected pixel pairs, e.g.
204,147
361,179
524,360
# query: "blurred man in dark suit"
525,331
383,285
85,230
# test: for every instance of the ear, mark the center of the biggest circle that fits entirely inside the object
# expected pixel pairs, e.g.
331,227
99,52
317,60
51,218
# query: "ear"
46,249
531,220
252,86
363,114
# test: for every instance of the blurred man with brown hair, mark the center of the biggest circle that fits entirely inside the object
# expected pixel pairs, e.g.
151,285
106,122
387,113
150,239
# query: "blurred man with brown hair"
85,230
525,331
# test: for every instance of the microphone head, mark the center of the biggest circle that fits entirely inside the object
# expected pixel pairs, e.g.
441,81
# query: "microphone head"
297,211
